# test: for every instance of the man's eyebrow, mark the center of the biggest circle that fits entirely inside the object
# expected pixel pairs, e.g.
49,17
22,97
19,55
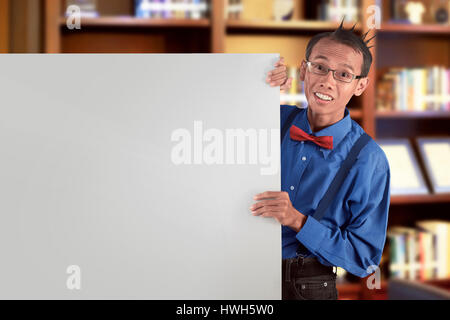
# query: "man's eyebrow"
342,64
348,66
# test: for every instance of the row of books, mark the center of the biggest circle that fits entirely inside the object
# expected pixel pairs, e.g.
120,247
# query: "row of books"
296,94
420,253
172,9
414,89
335,10
234,9
166,9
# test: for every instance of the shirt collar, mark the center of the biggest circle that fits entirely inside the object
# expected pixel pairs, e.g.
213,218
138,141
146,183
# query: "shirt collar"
337,130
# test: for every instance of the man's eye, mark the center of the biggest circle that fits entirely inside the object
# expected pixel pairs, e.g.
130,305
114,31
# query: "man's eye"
320,67
345,75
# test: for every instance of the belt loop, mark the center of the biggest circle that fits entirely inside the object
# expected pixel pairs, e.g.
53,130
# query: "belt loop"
300,267
288,270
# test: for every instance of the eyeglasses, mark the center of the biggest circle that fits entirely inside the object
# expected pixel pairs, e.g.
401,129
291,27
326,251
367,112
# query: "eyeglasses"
340,75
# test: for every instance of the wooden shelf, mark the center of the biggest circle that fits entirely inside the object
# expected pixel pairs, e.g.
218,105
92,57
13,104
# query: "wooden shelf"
129,21
356,113
300,25
411,28
412,114
4,26
420,198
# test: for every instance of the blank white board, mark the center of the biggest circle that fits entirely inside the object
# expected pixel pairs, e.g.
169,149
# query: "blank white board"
120,179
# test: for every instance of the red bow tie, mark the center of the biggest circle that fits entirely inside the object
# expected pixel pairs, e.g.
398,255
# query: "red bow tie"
300,135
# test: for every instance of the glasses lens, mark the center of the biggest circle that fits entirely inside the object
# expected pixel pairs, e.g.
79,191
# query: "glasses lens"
343,76
318,68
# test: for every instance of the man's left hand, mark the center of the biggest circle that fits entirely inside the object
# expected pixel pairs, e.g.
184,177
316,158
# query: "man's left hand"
277,204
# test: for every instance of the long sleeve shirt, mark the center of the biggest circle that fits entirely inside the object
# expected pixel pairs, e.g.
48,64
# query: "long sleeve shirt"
352,233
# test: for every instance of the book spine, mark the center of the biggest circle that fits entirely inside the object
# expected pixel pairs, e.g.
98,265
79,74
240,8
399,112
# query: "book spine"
409,97
422,256
423,91
448,89
442,242
402,256
436,88
444,88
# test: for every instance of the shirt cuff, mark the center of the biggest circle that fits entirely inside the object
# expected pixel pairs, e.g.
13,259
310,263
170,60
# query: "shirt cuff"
312,234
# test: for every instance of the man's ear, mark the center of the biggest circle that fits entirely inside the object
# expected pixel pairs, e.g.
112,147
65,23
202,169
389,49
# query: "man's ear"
361,86
302,71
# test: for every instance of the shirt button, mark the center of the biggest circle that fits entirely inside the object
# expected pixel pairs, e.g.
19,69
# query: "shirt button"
303,158
303,286
292,187
325,284
303,142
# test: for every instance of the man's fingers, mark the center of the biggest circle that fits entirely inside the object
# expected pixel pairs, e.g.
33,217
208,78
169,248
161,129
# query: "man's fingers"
279,70
278,76
280,62
267,195
277,82
287,85
263,203
265,212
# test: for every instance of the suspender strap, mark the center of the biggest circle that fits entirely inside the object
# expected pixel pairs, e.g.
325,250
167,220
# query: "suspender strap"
288,122
340,176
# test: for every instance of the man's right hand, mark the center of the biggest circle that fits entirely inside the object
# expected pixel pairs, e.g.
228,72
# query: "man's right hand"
279,76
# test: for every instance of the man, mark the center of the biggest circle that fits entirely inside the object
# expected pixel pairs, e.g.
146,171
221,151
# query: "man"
350,231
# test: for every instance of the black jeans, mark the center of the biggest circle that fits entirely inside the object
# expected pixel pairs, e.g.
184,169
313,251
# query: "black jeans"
308,279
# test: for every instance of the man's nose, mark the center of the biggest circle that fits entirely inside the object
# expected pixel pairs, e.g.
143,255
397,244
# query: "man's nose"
328,80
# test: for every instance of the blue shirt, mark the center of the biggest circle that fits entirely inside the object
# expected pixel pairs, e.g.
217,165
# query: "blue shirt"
352,233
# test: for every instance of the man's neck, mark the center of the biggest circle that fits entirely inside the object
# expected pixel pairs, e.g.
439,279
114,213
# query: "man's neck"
318,122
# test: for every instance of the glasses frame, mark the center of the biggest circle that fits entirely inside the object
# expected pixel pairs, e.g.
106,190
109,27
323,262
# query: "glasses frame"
310,63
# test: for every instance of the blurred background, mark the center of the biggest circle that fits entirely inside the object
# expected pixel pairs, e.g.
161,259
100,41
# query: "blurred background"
406,107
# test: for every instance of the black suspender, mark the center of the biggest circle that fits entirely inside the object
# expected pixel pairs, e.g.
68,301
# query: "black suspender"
288,122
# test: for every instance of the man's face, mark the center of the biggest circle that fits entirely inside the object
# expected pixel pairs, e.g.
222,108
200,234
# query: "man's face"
338,57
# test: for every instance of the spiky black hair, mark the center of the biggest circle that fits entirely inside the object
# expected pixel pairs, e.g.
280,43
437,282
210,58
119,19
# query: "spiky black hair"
349,38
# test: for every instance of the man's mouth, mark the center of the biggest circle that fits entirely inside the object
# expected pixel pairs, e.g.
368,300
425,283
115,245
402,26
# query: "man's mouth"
323,97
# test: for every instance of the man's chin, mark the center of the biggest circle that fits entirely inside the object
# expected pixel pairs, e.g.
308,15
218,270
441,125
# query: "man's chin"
320,108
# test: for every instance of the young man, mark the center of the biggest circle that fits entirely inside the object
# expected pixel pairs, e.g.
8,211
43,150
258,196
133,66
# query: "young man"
346,225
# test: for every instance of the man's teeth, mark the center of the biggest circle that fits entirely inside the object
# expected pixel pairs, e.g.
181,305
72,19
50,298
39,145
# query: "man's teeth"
323,96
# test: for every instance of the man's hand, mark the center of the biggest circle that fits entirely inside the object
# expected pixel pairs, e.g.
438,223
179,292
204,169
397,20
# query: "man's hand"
276,204
279,76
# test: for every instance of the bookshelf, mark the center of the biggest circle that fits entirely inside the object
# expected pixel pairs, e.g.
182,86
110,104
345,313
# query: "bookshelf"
300,25
420,199
131,21
396,45
4,26
415,29
413,114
